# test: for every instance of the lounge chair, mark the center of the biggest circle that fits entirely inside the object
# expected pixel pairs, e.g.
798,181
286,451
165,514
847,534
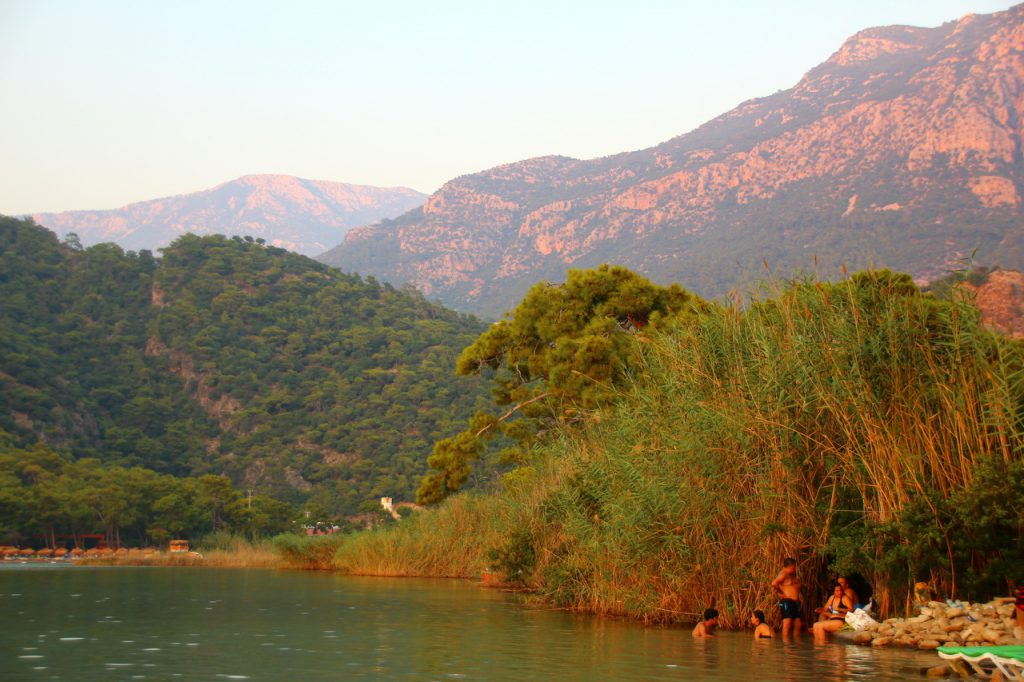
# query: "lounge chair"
1009,660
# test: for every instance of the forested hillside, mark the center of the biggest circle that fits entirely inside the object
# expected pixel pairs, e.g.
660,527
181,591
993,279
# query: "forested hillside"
226,356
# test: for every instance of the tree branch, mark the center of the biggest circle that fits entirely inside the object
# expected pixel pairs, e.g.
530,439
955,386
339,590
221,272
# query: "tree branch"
515,409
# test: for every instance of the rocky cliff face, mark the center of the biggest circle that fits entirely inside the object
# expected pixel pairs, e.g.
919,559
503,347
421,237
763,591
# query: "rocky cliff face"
902,150
306,216
1001,302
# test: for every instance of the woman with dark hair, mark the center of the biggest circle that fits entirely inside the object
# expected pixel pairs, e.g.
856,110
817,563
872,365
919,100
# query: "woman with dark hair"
761,629
834,614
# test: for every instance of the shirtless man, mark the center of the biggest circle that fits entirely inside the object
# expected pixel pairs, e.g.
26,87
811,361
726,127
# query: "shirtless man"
787,586
706,628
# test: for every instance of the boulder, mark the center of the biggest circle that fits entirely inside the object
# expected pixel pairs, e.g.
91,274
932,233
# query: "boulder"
955,612
863,637
881,641
928,644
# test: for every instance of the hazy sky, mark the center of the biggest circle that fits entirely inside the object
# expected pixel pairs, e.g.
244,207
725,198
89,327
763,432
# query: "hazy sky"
105,103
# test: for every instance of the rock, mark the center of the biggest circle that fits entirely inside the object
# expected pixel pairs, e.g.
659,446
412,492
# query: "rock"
939,671
954,627
863,637
955,612
928,644
1006,610
881,641
1018,633
925,611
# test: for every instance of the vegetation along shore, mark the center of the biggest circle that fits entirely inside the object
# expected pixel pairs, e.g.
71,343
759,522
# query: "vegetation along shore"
859,426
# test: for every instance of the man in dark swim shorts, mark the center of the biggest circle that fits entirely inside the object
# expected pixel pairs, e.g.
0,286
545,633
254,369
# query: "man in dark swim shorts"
789,608
787,587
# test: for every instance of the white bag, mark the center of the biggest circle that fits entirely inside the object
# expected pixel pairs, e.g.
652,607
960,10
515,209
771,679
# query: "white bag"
860,620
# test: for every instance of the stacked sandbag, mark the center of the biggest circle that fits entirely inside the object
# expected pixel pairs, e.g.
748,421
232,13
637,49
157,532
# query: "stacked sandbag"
962,624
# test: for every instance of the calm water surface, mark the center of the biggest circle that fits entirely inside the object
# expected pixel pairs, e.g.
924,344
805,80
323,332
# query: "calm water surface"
79,623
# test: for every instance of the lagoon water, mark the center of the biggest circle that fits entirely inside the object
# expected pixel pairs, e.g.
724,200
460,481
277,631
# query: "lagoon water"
64,622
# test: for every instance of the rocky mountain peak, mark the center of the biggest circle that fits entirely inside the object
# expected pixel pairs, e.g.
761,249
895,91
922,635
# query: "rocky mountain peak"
902,150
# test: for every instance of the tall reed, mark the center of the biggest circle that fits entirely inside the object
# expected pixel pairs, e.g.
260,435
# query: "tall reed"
449,541
745,435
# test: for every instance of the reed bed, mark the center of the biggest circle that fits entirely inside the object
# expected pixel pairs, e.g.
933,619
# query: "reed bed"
747,437
450,541
243,554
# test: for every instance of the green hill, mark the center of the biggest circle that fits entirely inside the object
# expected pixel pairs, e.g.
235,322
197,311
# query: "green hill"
226,356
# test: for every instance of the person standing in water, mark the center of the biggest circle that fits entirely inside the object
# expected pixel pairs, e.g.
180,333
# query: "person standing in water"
787,586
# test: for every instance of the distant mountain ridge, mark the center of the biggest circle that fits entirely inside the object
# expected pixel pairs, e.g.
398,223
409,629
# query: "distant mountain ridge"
305,216
903,149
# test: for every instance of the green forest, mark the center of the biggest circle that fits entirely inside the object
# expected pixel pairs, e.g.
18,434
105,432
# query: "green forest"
226,358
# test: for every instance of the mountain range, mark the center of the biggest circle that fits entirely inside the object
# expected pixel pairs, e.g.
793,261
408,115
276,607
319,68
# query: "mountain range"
902,150
305,216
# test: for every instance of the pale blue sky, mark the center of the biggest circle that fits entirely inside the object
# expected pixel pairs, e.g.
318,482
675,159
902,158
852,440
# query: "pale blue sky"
105,103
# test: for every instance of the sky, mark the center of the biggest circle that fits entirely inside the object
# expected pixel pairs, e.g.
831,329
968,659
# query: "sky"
107,102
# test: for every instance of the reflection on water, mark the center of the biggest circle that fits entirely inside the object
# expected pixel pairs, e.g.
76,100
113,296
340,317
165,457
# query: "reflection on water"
75,623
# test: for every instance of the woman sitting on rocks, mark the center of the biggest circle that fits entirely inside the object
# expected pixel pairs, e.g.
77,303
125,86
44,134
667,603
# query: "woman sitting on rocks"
833,613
